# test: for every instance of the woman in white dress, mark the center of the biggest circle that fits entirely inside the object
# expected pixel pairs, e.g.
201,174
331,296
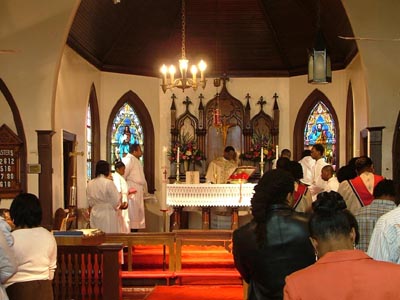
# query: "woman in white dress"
104,199
122,187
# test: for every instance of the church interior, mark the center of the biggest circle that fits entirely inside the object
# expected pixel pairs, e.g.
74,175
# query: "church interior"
74,74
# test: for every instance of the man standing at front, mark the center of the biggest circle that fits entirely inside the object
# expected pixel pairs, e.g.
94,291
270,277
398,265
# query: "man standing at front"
135,179
222,167
318,184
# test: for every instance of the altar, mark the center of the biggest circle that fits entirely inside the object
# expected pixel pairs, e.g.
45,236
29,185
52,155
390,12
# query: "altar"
206,196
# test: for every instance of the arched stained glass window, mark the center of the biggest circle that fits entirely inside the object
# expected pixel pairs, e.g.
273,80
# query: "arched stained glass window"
89,136
126,130
320,129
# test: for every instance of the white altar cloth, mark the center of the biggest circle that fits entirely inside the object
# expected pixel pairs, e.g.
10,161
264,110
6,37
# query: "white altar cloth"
205,194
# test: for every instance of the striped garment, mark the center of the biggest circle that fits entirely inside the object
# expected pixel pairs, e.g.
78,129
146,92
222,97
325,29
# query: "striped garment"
385,240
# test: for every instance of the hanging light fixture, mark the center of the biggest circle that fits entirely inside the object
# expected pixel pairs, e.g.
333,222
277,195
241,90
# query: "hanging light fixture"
319,62
170,82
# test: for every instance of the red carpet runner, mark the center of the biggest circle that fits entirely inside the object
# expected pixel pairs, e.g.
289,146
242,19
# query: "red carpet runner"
196,293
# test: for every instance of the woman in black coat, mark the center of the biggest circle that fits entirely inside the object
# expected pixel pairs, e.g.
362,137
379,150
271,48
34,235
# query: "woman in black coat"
276,242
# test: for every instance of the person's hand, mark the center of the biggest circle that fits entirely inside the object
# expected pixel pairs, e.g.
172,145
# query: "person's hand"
124,205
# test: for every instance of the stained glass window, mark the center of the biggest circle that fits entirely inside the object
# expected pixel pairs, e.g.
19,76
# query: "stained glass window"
89,143
320,129
126,130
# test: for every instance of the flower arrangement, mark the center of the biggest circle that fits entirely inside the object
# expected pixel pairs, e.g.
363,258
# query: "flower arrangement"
188,150
260,141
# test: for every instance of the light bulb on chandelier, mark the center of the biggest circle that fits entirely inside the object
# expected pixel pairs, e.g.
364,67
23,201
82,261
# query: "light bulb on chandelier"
168,74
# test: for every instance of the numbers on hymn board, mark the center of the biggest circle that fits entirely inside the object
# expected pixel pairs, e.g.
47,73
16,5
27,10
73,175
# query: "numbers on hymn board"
7,168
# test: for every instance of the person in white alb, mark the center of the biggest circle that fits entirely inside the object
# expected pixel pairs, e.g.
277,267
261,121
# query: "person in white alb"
318,184
122,187
332,183
134,176
307,163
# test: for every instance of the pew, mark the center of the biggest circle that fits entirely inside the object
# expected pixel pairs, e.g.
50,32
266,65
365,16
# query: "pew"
129,240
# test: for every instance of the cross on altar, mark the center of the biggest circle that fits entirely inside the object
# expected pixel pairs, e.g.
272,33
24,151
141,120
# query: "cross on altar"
262,102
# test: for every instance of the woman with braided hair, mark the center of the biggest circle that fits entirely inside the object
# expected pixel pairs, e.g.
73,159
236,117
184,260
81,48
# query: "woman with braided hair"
341,271
276,242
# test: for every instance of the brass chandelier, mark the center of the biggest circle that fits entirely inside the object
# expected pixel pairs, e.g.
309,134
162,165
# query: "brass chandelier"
168,73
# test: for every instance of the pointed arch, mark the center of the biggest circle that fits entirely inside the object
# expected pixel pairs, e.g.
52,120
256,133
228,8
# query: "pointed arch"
148,132
93,154
349,124
20,131
302,117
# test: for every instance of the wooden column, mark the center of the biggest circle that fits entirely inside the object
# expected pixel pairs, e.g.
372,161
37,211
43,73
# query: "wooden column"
45,157
371,139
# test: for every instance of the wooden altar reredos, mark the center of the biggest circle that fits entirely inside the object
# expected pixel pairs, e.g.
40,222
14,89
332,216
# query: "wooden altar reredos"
236,117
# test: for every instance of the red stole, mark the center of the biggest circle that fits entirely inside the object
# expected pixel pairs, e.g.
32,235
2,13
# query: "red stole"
298,194
360,190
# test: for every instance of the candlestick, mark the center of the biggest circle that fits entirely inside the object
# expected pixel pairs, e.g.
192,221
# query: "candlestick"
276,151
178,156
262,154
177,173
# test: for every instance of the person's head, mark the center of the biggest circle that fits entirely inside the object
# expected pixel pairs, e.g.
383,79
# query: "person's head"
275,187
305,153
283,163
327,172
286,153
119,167
296,170
317,151
102,168
135,150
364,164
229,153
5,214
385,189
332,226
25,211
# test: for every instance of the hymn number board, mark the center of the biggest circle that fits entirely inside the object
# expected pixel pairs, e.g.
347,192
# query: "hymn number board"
10,163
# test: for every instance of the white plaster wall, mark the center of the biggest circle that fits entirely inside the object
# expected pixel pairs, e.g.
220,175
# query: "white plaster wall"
381,58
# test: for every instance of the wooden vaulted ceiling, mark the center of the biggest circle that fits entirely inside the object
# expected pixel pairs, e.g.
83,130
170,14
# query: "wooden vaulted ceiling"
242,38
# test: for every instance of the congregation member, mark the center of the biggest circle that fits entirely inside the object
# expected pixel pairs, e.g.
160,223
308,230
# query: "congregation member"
307,163
367,216
35,250
104,199
122,187
385,239
276,242
284,153
6,226
348,171
317,184
328,175
220,168
302,200
357,192
340,272
134,176
8,265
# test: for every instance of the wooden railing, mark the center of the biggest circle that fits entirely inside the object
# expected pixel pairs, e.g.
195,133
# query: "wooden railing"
90,271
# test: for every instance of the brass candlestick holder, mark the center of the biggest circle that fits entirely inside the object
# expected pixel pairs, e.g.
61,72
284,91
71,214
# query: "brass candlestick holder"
177,173
261,168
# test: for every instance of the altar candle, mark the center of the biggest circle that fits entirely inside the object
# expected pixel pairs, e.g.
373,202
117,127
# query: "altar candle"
277,151
262,154
164,154
177,156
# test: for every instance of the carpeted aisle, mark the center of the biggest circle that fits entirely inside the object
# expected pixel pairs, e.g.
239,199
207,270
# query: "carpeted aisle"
226,292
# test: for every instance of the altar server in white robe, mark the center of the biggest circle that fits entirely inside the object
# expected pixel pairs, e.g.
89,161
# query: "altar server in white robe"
104,199
122,187
134,176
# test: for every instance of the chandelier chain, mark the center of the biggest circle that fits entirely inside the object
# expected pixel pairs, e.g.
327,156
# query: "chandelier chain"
183,29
